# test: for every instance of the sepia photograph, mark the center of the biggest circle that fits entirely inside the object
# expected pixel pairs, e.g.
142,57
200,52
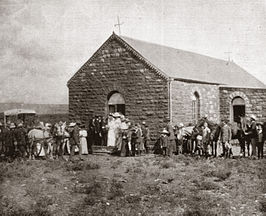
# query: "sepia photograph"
132,107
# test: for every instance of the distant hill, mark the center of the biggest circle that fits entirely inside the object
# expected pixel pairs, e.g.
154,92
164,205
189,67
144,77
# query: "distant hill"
39,108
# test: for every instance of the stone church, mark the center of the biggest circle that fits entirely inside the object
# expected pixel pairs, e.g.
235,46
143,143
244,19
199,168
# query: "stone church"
150,82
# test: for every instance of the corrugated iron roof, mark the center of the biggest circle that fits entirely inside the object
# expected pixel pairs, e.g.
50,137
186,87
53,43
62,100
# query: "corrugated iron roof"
181,64
18,111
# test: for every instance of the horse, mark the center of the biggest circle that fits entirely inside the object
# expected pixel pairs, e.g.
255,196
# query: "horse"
39,142
195,136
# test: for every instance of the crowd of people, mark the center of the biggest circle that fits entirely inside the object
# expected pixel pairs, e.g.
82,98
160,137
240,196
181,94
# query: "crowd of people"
125,138
204,138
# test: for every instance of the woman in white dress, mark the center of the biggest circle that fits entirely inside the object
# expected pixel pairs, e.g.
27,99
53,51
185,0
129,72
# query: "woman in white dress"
83,140
111,131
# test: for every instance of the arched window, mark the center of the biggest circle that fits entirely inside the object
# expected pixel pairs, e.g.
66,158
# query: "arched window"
238,108
116,103
195,107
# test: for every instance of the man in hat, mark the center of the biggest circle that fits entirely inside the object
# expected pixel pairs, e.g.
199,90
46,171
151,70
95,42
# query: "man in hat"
260,140
74,140
20,134
146,136
1,139
164,142
252,133
9,140
171,137
225,135
180,138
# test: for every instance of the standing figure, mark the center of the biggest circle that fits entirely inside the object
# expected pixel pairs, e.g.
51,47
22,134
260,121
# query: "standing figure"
9,141
124,151
139,140
225,135
195,133
74,140
241,139
133,139
49,140
164,142
20,134
215,133
104,132
206,139
83,140
118,132
171,137
2,149
146,136
180,139
253,134
111,131
260,140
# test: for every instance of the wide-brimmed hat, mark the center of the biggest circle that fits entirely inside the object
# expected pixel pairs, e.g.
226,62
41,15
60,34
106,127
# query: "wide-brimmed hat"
72,124
144,123
12,125
181,125
116,115
20,124
253,117
164,131
260,123
48,125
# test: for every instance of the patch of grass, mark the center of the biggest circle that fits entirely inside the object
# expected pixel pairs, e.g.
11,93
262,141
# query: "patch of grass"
221,173
52,180
205,184
116,190
15,170
116,164
202,204
263,205
167,164
81,166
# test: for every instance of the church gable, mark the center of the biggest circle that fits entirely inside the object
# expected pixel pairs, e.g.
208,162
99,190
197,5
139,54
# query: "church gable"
116,69
104,53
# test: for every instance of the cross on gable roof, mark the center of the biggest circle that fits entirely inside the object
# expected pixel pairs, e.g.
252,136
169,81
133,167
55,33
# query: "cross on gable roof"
186,66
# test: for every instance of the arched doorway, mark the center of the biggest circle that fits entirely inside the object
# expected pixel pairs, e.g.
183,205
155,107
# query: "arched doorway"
195,107
116,103
238,108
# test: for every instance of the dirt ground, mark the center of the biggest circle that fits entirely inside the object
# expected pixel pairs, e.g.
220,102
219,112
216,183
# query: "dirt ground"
145,185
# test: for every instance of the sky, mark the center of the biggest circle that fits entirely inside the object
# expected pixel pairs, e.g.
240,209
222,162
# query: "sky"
44,42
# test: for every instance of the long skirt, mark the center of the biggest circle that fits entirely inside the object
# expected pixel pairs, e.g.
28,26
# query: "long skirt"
124,148
84,147
111,138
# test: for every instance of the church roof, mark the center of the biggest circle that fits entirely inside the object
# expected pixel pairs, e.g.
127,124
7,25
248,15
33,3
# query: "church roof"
184,65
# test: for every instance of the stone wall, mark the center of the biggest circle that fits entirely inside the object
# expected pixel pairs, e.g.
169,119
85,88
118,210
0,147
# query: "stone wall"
255,101
182,93
115,68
